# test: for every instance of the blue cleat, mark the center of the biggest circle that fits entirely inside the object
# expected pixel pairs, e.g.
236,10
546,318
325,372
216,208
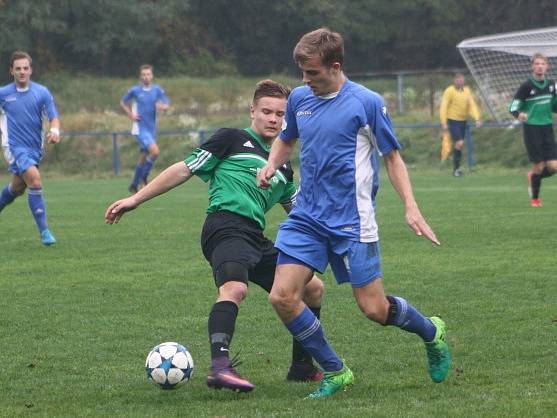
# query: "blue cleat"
47,238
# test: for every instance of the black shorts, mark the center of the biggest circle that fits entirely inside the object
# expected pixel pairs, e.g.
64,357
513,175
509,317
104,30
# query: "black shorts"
228,237
540,142
457,129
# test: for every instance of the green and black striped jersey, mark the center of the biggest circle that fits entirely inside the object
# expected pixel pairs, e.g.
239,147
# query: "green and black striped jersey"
230,160
537,99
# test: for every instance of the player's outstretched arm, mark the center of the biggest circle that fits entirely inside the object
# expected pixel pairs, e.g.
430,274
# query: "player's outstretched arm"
171,177
398,175
280,154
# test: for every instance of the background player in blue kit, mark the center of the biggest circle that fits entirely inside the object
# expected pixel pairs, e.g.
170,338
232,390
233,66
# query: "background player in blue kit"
24,103
340,124
141,103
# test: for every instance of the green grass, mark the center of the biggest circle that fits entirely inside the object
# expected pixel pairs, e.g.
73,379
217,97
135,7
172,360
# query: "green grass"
79,318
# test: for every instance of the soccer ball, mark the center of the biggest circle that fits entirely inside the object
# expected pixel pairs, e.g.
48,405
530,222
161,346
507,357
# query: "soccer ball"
169,365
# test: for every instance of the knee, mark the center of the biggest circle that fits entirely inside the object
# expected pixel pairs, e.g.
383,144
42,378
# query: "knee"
376,311
233,291
282,300
154,152
313,292
18,190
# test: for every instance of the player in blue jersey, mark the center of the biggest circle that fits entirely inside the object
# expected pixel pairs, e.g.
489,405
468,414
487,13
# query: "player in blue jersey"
23,104
340,125
141,103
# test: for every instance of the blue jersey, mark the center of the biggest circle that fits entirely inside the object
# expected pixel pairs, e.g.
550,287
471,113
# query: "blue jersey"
339,136
21,121
145,100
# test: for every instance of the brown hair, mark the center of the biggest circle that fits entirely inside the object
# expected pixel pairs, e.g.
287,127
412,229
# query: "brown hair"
328,45
146,67
270,88
538,55
18,55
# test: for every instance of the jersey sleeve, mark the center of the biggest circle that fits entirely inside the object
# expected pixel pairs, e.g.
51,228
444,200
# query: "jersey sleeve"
205,159
443,108
49,105
162,96
290,127
382,127
517,103
129,95
473,108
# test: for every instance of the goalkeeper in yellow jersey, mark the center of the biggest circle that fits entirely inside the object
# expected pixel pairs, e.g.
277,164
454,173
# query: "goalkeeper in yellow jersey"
456,106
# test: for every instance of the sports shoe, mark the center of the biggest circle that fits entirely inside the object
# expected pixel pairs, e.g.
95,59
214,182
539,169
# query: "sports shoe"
304,372
458,173
438,356
224,376
536,203
132,189
332,382
47,238
529,176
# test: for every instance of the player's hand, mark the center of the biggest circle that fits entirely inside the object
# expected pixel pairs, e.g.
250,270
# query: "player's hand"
116,210
416,221
135,117
445,127
522,116
264,175
160,106
53,135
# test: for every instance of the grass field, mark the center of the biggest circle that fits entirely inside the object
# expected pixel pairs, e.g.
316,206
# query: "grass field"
79,318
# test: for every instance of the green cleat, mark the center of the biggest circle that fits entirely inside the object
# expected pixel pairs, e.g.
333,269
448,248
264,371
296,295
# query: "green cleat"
438,356
332,382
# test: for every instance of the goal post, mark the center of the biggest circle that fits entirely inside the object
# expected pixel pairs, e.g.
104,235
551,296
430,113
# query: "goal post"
501,63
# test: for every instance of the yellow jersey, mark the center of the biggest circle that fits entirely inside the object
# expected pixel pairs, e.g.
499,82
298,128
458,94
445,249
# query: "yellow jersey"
457,104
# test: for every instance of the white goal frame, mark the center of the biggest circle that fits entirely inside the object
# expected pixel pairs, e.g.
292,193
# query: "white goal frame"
501,63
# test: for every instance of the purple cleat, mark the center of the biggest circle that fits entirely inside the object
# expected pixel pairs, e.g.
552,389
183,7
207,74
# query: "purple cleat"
223,375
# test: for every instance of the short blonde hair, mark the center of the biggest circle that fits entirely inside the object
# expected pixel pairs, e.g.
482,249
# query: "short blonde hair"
538,55
322,42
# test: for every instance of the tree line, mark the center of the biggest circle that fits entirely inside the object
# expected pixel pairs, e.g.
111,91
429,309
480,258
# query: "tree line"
250,37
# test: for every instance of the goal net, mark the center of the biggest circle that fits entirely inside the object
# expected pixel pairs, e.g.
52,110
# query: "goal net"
501,63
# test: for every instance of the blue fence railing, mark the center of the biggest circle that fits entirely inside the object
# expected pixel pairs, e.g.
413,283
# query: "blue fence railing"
203,135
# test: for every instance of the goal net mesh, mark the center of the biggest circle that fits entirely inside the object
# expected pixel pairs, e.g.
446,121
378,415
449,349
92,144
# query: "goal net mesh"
501,63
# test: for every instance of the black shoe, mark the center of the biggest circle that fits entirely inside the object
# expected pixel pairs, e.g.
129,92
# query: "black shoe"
132,189
304,372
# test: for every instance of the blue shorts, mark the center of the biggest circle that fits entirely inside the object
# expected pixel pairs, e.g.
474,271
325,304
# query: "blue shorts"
358,263
145,140
457,129
21,158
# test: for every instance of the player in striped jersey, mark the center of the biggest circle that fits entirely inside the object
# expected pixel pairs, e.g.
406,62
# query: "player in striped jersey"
533,105
232,238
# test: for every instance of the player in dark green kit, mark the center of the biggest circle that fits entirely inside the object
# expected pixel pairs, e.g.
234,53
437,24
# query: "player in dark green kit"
533,105
232,238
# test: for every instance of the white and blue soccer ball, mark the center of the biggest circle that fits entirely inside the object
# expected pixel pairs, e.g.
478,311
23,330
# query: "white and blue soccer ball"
169,365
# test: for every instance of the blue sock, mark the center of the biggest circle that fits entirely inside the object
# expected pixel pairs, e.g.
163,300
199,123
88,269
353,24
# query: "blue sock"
307,329
38,208
137,175
7,196
147,166
408,318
